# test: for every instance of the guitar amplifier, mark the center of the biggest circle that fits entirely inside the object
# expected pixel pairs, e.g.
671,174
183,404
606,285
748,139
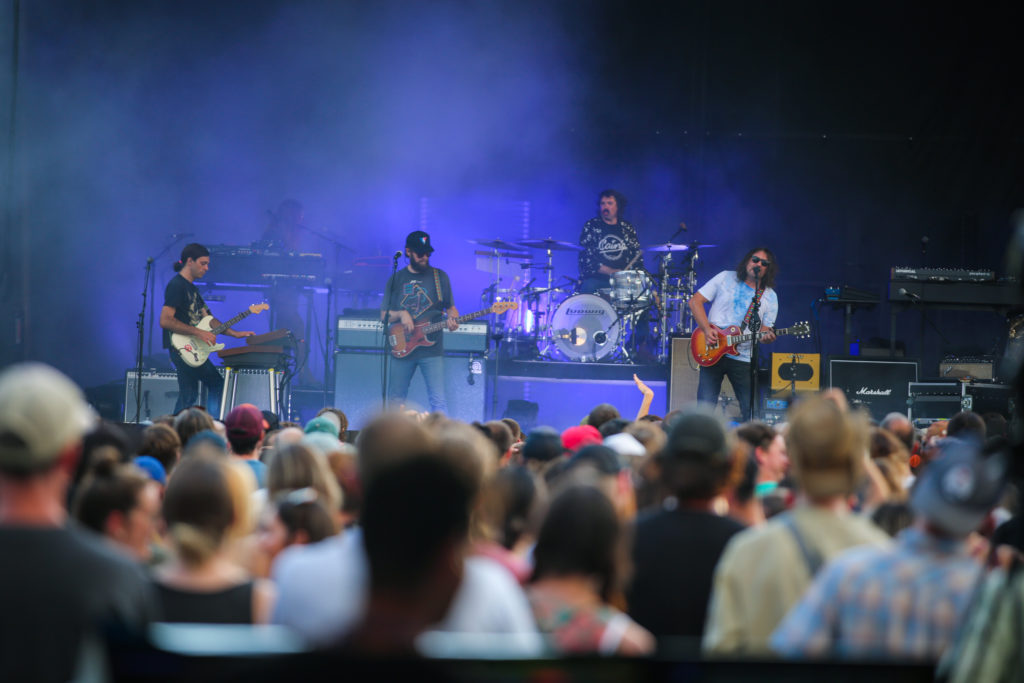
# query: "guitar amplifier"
364,333
880,386
931,401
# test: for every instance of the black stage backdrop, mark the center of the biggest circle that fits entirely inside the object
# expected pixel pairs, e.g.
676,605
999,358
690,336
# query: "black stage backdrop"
846,137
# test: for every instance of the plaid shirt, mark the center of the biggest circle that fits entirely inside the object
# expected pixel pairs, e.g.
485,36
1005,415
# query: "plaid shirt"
906,601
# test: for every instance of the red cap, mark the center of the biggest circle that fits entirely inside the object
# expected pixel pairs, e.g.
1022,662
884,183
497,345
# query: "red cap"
245,421
579,436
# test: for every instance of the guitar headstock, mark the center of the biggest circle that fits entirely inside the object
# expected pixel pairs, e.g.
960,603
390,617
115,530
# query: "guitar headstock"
801,329
258,308
504,306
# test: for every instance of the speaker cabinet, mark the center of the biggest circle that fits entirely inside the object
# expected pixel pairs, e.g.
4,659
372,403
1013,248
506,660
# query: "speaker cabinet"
880,386
159,394
258,386
359,373
685,376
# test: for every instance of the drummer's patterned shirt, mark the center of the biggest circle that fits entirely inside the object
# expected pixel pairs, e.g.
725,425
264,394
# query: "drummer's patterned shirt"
613,245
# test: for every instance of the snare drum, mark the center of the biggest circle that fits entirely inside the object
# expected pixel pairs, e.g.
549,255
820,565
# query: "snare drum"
585,327
631,289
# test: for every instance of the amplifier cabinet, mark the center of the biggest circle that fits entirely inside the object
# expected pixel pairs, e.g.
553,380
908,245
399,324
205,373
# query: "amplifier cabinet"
685,376
932,401
364,333
159,394
990,398
880,386
358,377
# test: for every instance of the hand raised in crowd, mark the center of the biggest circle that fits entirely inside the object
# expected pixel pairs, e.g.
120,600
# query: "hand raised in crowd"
644,389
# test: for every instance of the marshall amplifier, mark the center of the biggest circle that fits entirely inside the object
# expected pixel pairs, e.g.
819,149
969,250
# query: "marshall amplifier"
880,386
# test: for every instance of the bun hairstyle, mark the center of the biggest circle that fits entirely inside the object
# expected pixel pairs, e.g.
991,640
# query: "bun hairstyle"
191,251
109,486
198,508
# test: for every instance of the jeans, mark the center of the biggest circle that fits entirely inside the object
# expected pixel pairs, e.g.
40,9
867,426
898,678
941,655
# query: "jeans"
188,384
402,370
709,385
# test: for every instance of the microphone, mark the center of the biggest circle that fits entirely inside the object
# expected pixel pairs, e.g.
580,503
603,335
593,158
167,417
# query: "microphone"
682,226
397,256
910,295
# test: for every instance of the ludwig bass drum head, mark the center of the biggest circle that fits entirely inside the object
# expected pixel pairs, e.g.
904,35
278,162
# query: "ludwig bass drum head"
585,327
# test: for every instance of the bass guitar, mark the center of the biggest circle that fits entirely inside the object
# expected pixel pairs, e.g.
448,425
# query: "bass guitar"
403,344
729,339
194,351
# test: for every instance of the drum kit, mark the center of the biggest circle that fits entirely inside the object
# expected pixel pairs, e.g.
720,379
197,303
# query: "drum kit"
630,320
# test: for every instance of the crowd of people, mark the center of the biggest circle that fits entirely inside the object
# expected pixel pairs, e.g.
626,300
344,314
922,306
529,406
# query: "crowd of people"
825,536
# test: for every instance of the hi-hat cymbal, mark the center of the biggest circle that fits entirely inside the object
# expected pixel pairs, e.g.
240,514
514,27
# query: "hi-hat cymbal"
498,244
551,244
679,247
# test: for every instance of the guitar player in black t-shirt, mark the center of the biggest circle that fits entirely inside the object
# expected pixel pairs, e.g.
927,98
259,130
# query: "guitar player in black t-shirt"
418,293
183,309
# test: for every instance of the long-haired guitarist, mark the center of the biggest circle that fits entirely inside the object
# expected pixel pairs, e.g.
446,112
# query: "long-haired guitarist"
731,294
419,292
183,309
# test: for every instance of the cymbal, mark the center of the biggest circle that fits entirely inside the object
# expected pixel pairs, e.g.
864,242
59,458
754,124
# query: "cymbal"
679,247
551,244
498,244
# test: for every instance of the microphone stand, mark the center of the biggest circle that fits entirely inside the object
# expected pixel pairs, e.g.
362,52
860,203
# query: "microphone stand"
141,325
386,368
755,342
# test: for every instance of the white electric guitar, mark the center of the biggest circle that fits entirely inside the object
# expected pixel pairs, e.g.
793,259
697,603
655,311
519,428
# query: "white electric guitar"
194,351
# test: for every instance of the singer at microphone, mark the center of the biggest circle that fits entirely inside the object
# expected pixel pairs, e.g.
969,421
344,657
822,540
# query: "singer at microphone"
418,296
731,294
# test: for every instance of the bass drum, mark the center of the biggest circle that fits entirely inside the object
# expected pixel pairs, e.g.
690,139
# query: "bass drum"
586,328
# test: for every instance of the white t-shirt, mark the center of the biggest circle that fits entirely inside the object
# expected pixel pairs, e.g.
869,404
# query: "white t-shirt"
322,591
730,299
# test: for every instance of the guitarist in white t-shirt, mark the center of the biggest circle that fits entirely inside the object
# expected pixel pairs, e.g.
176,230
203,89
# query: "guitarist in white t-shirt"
730,294
182,311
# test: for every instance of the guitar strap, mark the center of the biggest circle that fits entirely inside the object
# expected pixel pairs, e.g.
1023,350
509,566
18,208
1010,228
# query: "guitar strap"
437,283
750,308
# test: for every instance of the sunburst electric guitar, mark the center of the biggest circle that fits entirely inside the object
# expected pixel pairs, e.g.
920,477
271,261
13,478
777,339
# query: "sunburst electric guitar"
403,344
194,351
729,339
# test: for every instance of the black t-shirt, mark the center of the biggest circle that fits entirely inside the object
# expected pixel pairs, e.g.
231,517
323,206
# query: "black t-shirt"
674,556
418,293
60,584
187,302
611,245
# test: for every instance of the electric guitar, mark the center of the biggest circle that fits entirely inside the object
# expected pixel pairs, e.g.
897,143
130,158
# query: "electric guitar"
194,351
402,345
729,339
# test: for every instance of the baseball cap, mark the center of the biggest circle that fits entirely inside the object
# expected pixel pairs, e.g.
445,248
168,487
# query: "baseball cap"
419,242
42,412
579,436
245,421
542,444
322,424
600,457
697,435
956,490
625,444
153,467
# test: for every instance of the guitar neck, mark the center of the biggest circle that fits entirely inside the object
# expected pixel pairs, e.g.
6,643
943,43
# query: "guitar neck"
441,324
741,338
227,325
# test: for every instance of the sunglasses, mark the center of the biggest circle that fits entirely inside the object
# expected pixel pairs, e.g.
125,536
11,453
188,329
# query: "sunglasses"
758,259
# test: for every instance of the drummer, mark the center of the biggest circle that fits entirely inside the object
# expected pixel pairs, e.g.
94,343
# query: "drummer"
609,244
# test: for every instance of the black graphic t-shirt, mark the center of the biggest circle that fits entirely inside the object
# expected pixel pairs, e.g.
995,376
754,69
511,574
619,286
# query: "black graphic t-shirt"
611,245
187,302
418,294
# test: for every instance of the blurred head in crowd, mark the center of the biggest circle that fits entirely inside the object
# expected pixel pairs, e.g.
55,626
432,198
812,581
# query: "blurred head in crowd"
122,503
297,466
826,448
339,419
296,518
600,414
582,536
699,459
899,426
162,443
198,509
245,429
769,450
966,425
190,422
